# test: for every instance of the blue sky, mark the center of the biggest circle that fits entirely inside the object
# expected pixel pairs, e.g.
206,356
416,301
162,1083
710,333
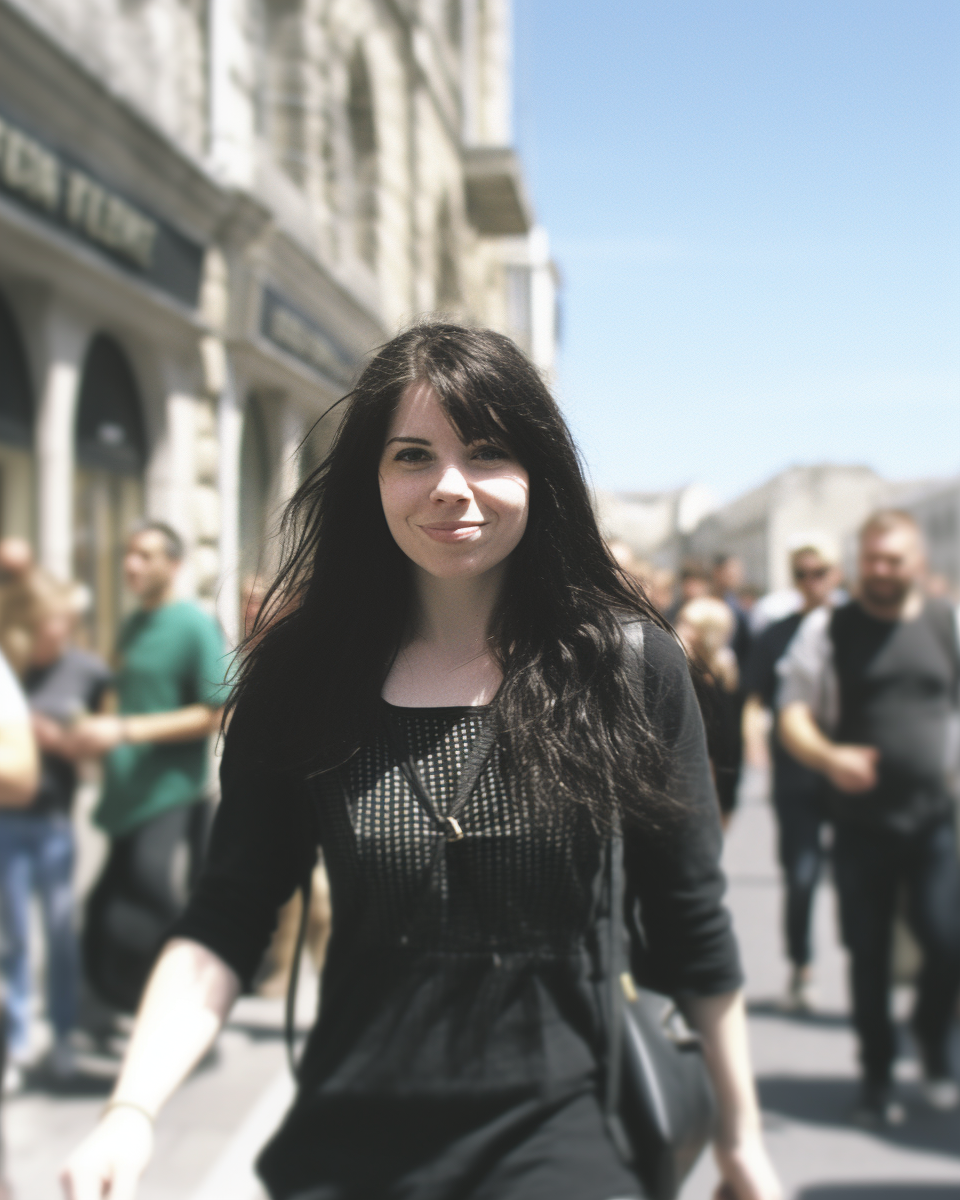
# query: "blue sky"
755,205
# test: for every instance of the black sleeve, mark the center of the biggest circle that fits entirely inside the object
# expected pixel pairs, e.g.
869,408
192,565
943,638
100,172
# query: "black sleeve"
262,846
674,875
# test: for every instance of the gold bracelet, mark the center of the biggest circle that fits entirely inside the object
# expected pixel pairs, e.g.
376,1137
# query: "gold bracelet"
112,1104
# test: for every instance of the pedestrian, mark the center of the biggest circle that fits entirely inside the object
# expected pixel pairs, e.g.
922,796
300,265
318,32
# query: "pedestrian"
795,788
37,850
726,585
17,567
660,588
19,776
705,626
169,684
869,698
694,582
466,698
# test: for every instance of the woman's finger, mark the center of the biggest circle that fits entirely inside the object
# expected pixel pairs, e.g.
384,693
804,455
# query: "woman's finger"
82,1185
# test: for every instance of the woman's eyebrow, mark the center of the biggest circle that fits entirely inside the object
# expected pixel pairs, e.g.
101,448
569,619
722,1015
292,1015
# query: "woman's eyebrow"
417,441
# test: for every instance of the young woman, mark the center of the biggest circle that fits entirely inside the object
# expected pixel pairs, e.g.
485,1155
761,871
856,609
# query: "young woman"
453,592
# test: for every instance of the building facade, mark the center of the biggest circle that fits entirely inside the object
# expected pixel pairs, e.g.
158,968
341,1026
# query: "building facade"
936,506
211,211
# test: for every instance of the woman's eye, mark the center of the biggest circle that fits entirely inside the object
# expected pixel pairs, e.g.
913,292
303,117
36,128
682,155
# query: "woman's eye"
491,453
411,455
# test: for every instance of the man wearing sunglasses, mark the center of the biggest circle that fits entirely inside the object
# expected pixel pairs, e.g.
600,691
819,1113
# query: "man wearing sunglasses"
796,788
869,699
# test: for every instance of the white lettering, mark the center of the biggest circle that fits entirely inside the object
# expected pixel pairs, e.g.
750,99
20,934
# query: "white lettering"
107,219
27,169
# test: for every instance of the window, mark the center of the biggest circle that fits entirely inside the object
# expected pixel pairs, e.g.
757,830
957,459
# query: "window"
285,107
254,490
448,282
453,20
363,142
519,302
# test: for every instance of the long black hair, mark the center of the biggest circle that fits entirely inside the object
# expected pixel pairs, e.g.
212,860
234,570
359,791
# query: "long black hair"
573,730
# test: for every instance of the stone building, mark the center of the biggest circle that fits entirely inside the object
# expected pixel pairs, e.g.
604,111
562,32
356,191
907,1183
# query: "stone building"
936,506
210,213
655,525
762,525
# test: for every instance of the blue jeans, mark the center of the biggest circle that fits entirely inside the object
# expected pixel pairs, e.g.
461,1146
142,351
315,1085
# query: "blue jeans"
38,852
800,826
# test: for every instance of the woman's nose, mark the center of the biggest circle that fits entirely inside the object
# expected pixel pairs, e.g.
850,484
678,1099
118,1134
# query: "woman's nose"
451,485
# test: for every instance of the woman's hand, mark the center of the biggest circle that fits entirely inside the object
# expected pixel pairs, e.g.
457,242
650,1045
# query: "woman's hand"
109,1163
747,1172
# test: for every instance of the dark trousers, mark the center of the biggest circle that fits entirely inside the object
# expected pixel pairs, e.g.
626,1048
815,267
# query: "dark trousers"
136,899
870,868
799,840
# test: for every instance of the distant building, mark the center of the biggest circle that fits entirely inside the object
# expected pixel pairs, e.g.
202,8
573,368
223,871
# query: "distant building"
655,525
762,525
210,214
936,505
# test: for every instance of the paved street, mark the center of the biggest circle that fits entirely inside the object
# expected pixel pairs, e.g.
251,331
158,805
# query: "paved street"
209,1135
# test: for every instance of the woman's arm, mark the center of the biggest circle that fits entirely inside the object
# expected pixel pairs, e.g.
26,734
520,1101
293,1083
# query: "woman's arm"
187,1000
688,949
741,1156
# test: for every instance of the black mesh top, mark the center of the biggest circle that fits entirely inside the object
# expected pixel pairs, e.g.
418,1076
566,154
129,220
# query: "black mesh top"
508,885
457,969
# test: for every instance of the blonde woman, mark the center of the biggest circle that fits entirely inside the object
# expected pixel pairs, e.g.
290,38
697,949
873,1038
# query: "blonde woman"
705,626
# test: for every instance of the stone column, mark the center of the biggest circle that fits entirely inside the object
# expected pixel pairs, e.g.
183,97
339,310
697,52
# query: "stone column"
64,339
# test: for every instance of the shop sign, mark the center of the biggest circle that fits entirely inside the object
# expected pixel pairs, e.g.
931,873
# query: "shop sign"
296,333
52,184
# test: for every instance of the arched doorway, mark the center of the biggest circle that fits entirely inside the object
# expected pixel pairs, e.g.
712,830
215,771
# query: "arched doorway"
16,432
254,500
108,498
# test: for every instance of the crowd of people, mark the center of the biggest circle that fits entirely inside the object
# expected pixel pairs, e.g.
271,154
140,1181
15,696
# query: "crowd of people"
484,611
146,718
853,698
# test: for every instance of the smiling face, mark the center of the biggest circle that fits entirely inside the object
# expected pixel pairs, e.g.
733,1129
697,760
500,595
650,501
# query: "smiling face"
456,511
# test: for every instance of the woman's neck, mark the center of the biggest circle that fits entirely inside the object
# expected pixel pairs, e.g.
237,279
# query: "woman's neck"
447,659
455,614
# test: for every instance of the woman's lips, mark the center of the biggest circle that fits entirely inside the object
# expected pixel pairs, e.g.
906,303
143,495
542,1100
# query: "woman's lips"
452,532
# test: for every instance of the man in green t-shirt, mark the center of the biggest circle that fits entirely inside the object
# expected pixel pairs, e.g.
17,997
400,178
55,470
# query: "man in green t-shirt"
170,690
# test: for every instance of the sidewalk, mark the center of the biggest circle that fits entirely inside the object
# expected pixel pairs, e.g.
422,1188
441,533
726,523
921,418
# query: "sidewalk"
806,1068
210,1133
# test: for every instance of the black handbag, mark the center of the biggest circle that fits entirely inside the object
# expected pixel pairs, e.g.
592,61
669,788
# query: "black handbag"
659,1104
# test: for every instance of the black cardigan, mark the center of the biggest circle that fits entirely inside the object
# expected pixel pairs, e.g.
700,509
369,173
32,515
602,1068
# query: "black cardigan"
480,981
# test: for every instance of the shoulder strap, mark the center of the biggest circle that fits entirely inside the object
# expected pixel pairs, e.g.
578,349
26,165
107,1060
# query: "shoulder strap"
614,996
